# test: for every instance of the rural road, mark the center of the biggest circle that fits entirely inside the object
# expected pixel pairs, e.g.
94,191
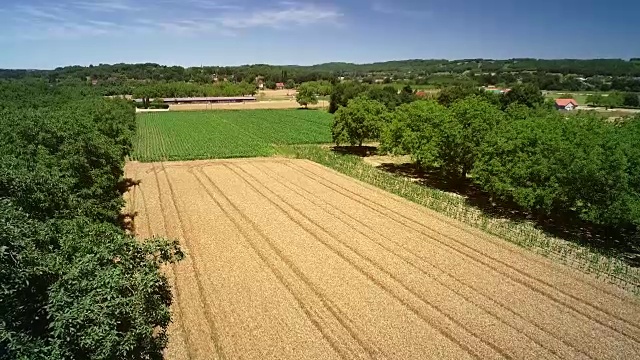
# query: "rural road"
290,260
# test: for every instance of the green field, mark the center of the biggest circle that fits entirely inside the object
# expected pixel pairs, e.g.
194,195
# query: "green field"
580,97
226,134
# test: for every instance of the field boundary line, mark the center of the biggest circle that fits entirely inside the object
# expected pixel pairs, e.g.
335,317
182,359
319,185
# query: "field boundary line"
487,309
479,260
341,318
392,293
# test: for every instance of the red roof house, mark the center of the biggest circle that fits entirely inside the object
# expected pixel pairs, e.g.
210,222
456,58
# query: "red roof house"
566,104
279,86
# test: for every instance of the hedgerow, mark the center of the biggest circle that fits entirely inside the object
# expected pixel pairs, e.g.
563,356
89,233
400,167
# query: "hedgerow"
519,151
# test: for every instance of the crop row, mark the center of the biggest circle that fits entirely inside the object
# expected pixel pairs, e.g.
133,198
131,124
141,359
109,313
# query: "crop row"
226,134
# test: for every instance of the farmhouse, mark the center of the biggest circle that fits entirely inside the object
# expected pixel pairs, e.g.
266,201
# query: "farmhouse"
206,100
279,86
566,104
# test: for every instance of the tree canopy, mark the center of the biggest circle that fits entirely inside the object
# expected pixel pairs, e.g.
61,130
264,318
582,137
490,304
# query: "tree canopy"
359,121
307,94
74,285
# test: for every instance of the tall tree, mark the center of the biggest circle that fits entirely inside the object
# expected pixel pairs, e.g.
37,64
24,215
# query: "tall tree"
525,94
360,120
307,95
471,120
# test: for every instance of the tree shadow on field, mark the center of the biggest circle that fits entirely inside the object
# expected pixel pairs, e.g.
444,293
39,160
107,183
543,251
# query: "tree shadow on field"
360,151
623,243
127,183
126,221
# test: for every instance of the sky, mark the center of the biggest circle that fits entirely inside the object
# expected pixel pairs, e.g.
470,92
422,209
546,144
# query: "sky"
45,34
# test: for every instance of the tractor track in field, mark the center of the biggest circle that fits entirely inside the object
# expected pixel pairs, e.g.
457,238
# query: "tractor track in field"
310,312
419,264
287,259
635,335
432,312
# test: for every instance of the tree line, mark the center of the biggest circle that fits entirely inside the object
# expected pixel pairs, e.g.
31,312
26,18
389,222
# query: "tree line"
74,284
515,147
281,73
615,100
563,74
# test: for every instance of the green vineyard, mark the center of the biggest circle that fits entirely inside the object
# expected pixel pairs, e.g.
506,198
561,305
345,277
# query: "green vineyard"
226,134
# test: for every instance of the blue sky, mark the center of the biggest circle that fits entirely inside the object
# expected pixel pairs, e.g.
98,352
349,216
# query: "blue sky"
46,34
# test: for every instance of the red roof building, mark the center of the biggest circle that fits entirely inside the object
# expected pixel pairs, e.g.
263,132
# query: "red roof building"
566,104
279,86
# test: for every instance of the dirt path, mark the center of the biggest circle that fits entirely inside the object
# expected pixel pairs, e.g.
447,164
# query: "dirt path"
290,260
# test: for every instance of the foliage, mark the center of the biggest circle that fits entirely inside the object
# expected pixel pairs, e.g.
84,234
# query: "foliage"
74,284
417,128
613,100
226,134
183,89
451,94
631,100
387,95
343,92
290,84
307,94
360,120
525,94
471,120
551,165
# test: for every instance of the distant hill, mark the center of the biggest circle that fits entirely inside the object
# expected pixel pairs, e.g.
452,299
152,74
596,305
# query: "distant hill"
151,71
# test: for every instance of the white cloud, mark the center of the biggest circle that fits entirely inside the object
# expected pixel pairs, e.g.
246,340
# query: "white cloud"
87,18
211,5
285,15
50,13
105,6
389,9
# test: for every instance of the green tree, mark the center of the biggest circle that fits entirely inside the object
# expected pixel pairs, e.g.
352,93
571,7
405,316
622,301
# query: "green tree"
341,93
74,284
451,94
631,100
471,120
525,94
360,120
595,100
554,166
290,84
416,128
387,95
307,94
270,84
